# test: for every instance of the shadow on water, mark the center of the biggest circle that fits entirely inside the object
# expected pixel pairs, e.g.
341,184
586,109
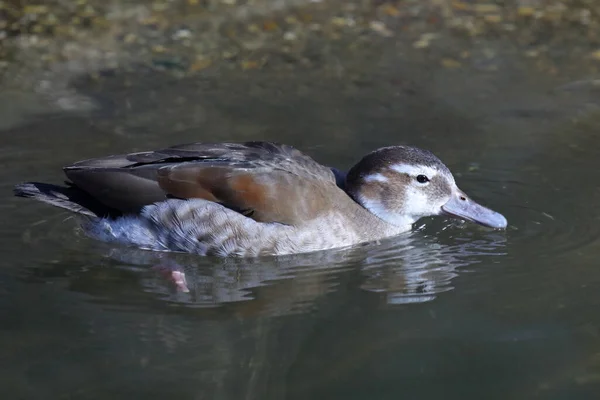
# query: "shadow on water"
449,311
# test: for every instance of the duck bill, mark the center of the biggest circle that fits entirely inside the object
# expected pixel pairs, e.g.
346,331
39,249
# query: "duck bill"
461,206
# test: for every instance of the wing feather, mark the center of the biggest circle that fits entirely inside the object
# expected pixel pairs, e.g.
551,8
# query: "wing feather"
266,181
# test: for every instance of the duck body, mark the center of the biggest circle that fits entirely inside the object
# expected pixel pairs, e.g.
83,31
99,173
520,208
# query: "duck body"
256,198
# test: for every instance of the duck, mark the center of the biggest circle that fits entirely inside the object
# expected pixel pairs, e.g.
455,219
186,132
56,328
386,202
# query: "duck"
255,198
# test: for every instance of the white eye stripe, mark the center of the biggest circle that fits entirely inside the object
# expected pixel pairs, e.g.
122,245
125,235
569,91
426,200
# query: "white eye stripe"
414,170
377,177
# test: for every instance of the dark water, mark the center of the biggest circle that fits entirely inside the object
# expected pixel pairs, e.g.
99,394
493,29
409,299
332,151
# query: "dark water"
449,311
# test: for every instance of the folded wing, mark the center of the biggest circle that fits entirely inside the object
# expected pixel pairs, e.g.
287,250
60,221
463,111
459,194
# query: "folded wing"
265,181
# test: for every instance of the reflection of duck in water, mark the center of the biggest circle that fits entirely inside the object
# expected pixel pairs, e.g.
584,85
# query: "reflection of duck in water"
256,198
409,269
416,269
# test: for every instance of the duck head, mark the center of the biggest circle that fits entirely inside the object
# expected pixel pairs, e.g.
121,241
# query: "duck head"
401,184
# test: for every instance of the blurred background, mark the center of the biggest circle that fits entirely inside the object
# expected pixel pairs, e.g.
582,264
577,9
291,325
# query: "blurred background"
506,93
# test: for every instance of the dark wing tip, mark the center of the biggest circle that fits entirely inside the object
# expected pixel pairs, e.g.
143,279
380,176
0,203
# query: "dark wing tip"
26,189
69,198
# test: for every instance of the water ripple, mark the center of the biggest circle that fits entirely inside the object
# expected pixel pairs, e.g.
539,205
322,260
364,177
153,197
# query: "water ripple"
418,267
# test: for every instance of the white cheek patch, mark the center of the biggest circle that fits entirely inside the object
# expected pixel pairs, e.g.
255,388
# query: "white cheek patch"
417,204
414,170
377,177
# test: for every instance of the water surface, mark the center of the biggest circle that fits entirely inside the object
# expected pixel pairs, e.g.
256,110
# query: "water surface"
451,310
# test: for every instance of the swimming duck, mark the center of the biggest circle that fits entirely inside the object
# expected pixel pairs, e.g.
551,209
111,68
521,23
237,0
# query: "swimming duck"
256,198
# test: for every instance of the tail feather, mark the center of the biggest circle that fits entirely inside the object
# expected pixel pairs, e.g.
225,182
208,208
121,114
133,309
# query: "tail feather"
67,197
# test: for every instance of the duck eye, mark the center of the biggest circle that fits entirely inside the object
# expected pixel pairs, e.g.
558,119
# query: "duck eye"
422,179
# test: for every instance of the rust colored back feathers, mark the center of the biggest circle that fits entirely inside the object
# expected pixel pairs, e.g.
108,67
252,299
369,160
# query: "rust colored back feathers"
263,194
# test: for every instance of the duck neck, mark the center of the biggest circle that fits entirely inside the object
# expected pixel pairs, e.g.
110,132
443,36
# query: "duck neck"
373,219
379,209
